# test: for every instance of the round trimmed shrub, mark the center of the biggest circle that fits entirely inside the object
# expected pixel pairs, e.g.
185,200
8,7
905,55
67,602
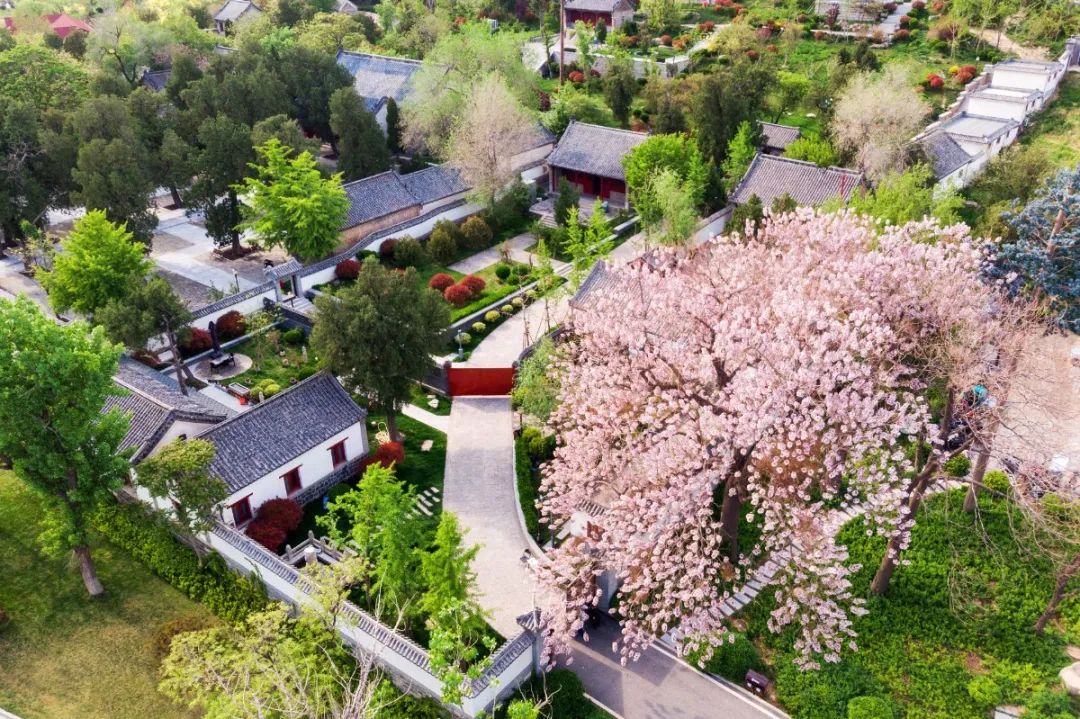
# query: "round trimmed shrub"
478,327
440,282
902,35
502,271
466,338
161,642
476,233
293,337
935,81
507,309
492,316
996,481
390,453
386,250
441,245
458,295
347,269
269,389
577,77
305,372
530,295
957,466
521,270
231,325
280,512
409,253
474,283
869,708
517,302
267,535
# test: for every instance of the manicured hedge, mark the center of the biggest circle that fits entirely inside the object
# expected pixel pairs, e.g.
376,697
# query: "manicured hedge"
228,594
527,491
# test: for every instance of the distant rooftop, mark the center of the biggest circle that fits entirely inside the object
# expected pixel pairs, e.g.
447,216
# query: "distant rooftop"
1041,67
233,10
595,149
770,177
377,77
945,154
777,137
606,6
978,127
388,192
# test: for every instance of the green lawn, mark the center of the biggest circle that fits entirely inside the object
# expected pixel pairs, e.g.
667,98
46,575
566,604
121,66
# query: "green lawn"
1057,128
420,399
963,608
282,363
64,655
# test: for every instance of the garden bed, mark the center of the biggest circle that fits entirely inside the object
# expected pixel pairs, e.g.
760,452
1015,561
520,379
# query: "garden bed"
278,359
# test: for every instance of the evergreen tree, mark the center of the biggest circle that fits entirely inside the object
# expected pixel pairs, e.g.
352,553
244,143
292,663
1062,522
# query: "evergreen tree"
567,200
362,151
393,125
619,87
740,153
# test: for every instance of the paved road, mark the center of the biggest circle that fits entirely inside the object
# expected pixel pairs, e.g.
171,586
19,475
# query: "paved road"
480,488
657,686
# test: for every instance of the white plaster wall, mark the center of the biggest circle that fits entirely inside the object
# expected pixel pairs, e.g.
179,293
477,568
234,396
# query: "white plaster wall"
972,147
997,108
442,202
1004,77
314,465
246,307
380,117
190,429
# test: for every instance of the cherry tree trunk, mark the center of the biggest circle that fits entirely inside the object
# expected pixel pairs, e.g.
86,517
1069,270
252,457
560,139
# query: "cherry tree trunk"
1067,573
730,510
971,500
89,573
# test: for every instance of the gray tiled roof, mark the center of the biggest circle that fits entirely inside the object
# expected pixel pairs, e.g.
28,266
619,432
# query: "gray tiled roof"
594,149
539,136
377,77
376,196
945,154
770,177
287,268
156,80
234,9
433,183
154,401
978,127
1039,67
275,432
599,279
777,137
598,5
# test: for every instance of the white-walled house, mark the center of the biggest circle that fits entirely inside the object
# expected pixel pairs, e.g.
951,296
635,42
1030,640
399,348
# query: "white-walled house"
297,444
1027,75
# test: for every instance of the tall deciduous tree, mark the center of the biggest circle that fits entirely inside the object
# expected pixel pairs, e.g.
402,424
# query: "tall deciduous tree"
180,473
740,153
289,204
761,378
905,196
361,148
379,335
54,380
492,128
875,118
585,246
676,216
148,308
99,262
650,158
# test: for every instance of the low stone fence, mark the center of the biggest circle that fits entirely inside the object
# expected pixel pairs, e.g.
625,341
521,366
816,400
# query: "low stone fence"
403,659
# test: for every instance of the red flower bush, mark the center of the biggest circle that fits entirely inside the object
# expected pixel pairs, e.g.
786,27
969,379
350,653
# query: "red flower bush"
902,34
577,77
196,341
267,535
935,81
285,514
458,295
964,77
440,282
390,453
231,325
475,284
347,269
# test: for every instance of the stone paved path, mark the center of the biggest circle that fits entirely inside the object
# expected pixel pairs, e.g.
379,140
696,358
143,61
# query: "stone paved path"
435,421
479,487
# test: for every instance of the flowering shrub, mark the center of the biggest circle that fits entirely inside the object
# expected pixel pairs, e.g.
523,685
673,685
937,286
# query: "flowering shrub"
478,327
440,282
935,81
283,513
195,341
390,453
347,269
267,535
970,69
764,33
577,77
231,325
474,283
458,295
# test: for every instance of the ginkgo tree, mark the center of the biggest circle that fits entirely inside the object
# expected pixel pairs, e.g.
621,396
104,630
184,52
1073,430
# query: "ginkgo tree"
761,378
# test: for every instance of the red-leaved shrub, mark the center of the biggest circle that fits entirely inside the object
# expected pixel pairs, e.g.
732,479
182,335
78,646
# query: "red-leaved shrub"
935,81
969,69
937,6
706,26
266,534
195,341
665,40
283,513
964,77
752,54
764,33
902,34
474,283
905,21
386,249
577,77
390,453
440,282
918,5
347,269
458,295
231,325
819,34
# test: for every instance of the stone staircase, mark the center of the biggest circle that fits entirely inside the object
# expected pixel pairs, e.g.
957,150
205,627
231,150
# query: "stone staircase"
427,503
